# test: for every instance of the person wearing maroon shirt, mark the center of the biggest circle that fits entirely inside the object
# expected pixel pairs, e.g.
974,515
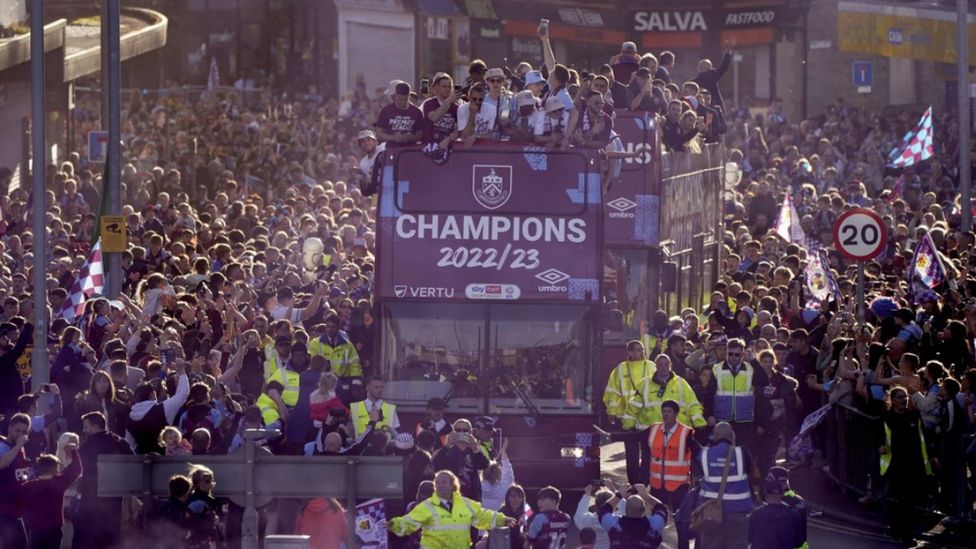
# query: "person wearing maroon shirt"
400,123
440,112
14,470
595,124
42,499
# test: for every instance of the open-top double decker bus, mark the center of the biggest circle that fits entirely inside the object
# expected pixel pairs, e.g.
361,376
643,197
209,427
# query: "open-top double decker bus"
507,276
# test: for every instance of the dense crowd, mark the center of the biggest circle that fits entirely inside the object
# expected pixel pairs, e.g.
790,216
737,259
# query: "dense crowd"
247,303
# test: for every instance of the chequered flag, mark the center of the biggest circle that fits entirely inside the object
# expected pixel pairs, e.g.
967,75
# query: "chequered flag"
89,282
916,146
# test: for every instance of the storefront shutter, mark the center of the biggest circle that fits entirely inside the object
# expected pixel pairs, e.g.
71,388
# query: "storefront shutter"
380,53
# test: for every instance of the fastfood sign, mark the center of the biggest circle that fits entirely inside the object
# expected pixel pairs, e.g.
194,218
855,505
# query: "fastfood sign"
514,224
702,20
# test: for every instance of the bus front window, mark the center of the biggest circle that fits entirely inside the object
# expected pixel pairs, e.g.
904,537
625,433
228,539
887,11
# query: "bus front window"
432,350
538,358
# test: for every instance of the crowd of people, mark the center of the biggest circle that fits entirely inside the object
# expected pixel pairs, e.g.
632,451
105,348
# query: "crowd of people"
229,319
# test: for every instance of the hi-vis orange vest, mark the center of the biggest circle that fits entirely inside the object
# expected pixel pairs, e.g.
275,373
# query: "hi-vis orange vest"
671,464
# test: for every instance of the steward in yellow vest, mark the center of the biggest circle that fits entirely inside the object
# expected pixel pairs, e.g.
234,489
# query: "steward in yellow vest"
447,517
374,408
624,400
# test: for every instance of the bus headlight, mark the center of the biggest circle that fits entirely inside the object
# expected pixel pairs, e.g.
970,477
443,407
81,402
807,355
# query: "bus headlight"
571,452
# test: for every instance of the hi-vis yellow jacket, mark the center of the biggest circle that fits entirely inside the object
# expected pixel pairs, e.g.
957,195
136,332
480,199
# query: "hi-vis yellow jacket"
443,529
624,397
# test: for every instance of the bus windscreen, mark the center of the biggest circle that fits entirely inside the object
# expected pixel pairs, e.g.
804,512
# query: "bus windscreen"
512,223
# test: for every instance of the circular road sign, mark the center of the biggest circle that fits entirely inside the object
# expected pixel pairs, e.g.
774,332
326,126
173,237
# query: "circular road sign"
859,234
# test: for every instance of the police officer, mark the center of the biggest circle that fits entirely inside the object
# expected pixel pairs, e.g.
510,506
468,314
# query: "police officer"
374,409
446,517
725,459
790,497
775,525
736,381
624,400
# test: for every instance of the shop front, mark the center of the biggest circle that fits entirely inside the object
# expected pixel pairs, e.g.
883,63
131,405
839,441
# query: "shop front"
707,30
377,43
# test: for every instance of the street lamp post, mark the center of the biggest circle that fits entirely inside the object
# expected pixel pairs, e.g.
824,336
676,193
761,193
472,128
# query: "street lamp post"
962,72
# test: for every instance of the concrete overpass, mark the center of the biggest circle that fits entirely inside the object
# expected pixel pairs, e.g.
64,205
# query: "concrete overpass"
72,49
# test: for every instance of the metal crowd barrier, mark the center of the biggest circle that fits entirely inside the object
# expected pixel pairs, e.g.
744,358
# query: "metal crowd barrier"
853,439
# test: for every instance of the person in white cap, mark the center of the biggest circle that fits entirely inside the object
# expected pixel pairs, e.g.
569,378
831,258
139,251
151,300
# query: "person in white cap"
535,83
551,128
626,62
371,148
499,98
528,108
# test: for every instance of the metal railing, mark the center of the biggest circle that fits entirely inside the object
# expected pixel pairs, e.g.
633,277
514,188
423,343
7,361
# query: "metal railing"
853,440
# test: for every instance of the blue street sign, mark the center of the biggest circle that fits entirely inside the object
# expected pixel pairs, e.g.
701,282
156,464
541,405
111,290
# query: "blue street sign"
861,74
97,146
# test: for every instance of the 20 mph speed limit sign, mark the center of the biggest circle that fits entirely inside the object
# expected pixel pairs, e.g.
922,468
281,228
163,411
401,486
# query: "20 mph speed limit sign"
859,234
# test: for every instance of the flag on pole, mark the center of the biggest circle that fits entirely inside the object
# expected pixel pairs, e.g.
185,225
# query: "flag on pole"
926,271
213,77
89,283
788,223
820,282
916,146
371,523
801,446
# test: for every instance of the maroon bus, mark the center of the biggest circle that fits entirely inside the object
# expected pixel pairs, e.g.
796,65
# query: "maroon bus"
503,273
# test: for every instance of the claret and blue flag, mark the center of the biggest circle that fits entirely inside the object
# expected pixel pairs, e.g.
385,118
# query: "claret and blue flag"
927,271
916,146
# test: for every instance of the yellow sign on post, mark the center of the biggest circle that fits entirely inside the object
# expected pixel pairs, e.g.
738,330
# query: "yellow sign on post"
114,238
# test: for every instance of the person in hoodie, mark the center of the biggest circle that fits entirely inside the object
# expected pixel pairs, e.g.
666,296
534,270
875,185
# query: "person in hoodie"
148,416
11,384
323,520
